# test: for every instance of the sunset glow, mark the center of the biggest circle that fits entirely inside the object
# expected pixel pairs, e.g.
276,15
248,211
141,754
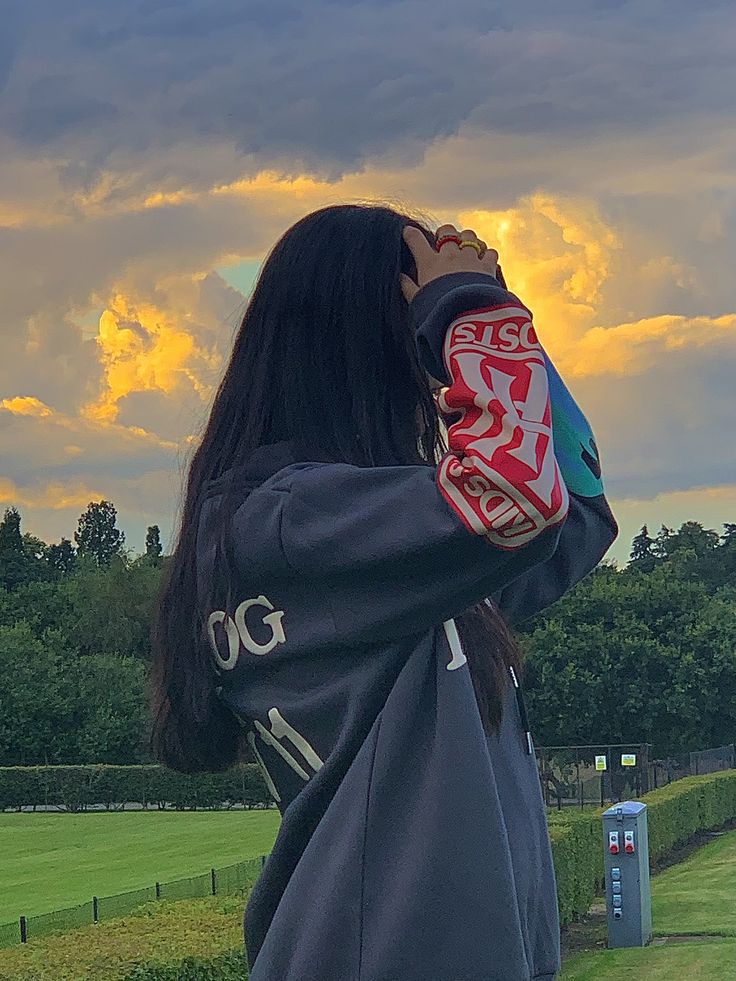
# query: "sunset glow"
607,186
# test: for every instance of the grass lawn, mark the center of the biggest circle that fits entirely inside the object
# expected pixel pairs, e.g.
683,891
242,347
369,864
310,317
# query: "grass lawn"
697,896
50,861
706,961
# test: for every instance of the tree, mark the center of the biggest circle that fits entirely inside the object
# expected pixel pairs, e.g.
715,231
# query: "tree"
43,606
663,542
110,608
153,545
113,711
636,658
10,536
61,709
692,535
37,723
61,558
643,555
34,548
97,536
729,534
22,557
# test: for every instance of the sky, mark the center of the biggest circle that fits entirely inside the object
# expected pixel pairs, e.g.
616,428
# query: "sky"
152,152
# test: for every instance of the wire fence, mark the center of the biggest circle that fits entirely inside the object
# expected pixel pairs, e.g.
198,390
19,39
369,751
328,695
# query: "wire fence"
576,776
570,776
231,880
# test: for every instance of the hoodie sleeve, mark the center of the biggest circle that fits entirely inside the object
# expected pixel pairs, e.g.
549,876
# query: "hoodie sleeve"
385,552
590,528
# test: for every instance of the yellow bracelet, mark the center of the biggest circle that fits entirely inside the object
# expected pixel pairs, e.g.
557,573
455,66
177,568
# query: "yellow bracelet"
473,245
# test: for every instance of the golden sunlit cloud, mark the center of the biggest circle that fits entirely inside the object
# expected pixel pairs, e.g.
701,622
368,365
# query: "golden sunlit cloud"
108,189
269,182
163,199
54,496
26,405
556,254
692,498
142,348
636,347
22,216
30,407
118,193
560,253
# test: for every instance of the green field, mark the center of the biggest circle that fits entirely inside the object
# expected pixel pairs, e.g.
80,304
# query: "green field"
705,961
697,896
54,860
50,861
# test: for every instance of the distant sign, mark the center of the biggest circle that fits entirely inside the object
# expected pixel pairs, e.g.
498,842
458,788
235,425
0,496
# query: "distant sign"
628,759
600,762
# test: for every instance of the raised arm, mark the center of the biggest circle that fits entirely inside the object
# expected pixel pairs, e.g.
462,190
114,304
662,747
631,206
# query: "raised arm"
389,551
590,529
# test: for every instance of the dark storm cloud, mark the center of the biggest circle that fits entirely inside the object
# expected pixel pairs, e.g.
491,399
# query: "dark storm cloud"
329,85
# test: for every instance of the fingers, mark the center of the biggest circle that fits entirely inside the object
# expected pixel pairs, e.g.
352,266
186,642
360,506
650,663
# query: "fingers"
418,244
448,230
429,260
408,287
467,234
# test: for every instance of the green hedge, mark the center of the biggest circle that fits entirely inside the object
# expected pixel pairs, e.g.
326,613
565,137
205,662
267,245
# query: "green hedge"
577,851
77,787
201,940
189,940
675,814
232,966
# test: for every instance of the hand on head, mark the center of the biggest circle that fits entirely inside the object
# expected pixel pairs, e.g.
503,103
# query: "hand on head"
451,256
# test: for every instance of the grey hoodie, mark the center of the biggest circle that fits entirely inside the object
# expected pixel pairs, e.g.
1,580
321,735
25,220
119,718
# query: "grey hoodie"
413,846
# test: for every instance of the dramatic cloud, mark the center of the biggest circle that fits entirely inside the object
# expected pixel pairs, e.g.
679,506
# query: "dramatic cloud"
288,80
145,145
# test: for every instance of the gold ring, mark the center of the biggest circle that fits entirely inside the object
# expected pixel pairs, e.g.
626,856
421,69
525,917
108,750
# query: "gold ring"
473,245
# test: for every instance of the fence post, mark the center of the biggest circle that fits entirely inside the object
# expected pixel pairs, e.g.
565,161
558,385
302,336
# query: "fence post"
158,890
213,873
263,860
95,909
23,930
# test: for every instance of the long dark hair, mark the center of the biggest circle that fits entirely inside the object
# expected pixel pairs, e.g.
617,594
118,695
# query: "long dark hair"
327,306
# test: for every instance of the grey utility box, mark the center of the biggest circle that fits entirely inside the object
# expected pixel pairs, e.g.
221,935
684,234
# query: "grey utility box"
626,862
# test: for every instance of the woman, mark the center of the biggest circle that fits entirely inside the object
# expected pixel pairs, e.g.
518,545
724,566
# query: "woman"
340,594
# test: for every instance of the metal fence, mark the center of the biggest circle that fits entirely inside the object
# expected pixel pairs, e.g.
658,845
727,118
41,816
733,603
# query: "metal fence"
573,776
229,881
570,776
693,764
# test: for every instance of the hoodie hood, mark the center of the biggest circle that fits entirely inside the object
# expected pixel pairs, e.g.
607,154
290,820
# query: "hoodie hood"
261,464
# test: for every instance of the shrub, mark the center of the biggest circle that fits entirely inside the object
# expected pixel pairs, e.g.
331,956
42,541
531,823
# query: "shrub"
196,940
675,814
77,787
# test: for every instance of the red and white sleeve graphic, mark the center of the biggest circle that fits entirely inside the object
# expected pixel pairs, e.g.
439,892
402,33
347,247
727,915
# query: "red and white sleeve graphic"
500,474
